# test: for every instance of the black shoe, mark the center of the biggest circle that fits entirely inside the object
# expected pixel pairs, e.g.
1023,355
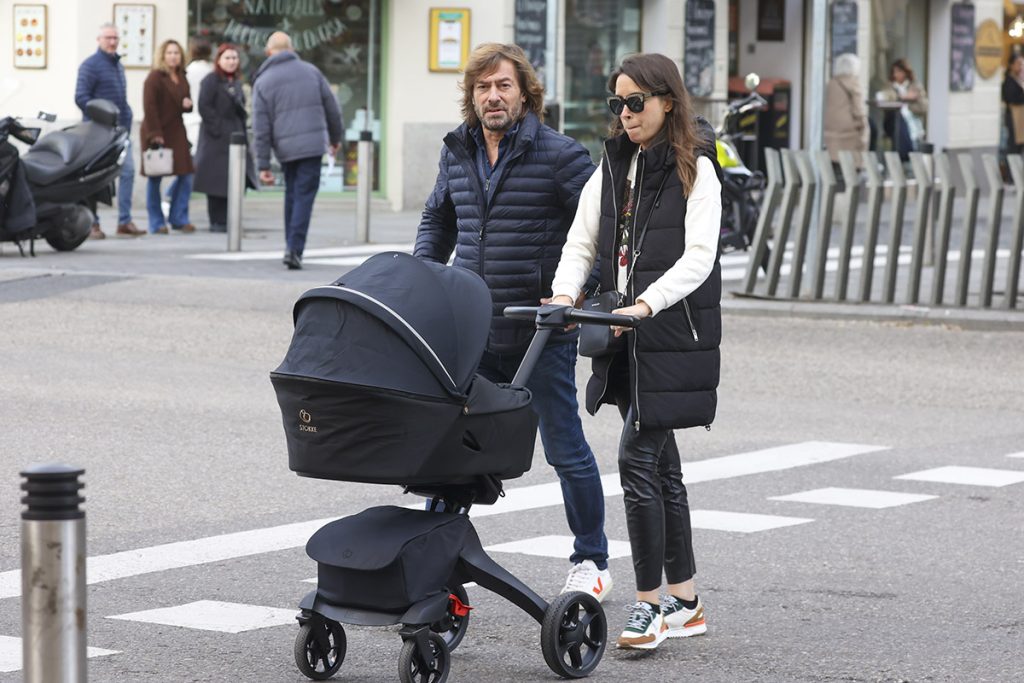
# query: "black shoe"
218,227
292,260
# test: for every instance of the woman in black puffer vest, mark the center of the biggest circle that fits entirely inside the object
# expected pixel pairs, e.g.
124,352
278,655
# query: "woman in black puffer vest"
652,212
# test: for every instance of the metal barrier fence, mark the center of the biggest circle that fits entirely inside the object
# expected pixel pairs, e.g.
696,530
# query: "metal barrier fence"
800,243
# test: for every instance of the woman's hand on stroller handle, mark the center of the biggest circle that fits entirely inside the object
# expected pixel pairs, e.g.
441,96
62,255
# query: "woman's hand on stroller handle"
558,316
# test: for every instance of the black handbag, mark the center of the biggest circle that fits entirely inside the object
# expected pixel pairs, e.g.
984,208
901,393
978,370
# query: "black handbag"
599,340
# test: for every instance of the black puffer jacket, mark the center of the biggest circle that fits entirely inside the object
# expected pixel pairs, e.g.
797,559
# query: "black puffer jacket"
673,357
514,242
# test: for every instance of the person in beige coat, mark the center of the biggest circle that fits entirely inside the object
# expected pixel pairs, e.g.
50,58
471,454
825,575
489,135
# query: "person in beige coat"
846,112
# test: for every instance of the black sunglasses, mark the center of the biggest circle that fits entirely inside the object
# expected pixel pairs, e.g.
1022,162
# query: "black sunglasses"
635,102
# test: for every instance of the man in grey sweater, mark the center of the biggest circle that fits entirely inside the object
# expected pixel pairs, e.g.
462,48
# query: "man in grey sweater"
295,113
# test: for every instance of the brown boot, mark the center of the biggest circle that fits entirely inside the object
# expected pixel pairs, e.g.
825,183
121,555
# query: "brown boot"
187,228
128,230
95,233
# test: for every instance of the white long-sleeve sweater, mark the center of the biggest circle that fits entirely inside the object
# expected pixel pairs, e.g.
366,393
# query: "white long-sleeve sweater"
703,224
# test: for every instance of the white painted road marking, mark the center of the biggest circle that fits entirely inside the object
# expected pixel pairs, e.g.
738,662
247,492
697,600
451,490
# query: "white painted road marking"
741,522
970,476
358,253
857,498
214,615
258,541
10,653
1015,455
555,546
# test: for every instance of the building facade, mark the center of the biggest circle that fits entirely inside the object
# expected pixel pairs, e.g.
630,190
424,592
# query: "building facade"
393,64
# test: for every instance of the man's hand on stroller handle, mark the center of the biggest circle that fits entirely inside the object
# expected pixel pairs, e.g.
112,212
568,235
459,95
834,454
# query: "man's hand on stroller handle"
557,314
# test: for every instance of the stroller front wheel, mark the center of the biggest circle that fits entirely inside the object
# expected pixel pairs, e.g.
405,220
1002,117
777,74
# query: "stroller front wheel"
573,634
320,648
452,628
432,666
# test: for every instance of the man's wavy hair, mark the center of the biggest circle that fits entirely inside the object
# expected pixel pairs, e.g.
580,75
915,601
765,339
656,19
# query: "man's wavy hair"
484,60
657,73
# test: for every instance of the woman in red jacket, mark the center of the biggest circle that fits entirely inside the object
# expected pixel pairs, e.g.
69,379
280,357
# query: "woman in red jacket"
165,97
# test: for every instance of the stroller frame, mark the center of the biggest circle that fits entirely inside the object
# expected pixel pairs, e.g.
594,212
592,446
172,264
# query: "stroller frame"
574,629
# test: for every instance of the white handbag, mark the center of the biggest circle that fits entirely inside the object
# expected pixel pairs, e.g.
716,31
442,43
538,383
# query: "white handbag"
158,162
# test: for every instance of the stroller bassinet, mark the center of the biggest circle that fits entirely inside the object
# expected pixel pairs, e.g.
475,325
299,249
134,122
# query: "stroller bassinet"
379,384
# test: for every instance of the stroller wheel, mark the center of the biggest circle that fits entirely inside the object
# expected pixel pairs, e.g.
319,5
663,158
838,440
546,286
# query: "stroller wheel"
452,628
415,666
320,648
574,634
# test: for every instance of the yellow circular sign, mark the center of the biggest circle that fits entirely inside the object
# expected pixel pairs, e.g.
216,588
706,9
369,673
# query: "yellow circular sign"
988,48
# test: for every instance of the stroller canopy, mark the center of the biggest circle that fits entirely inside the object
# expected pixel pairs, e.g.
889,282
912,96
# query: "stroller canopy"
395,322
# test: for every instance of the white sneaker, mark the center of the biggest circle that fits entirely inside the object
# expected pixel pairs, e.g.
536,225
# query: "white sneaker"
644,630
587,578
680,622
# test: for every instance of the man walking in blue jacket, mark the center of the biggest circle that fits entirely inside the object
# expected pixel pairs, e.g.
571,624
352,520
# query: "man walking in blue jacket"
295,112
506,193
101,76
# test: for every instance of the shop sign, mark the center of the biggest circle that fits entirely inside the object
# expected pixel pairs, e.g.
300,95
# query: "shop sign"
699,52
961,48
302,20
988,48
844,29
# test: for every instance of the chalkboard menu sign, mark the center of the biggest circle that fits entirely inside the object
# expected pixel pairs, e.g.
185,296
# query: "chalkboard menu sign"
961,48
532,30
844,29
699,52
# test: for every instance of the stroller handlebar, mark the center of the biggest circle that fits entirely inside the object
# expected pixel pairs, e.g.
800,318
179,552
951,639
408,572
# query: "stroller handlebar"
557,316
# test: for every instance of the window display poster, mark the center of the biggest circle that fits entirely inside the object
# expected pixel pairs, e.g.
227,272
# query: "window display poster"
961,48
449,39
844,29
30,36
135,23
771,20
699,52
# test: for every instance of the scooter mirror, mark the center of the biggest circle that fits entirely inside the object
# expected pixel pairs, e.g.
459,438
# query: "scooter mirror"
752,81
26,135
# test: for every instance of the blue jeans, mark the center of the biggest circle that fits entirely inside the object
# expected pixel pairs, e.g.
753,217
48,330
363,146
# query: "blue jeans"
301,182
178,216
553,385
125,186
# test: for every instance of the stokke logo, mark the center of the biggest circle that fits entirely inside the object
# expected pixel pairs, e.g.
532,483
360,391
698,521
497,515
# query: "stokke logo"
306,418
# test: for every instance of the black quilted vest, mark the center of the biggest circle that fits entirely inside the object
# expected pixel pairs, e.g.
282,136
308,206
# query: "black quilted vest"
673,357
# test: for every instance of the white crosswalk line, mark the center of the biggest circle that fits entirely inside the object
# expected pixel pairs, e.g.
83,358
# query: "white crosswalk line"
10,653
969,476
364,250
1015,455
214,615
555,546
858,498
741,522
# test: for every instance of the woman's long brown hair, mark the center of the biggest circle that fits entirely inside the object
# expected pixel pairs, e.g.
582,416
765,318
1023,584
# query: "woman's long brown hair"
657,73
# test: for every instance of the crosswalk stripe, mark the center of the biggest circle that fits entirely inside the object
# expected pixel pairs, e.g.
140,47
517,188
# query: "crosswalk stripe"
1015,455
858,498
555,546
741,522
970,476
258,541
214,615
10,653
363,250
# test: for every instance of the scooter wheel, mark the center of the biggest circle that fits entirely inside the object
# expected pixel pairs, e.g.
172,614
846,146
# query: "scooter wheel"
574,634
69,229
320,648
432,666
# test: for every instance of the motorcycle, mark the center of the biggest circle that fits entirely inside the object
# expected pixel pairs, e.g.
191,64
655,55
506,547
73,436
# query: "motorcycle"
742,189
46,193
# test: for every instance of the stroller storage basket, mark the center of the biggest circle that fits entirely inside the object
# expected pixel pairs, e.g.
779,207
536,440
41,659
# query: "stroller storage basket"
387,558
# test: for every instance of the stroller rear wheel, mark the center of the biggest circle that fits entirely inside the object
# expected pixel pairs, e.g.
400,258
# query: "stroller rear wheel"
452,628
573,634
416,666
320,648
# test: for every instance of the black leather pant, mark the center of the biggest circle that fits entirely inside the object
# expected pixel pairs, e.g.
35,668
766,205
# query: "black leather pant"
657,511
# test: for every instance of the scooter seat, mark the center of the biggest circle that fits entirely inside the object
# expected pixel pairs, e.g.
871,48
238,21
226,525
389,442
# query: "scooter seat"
63,151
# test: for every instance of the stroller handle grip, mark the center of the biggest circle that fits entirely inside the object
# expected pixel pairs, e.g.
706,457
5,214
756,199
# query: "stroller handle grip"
557,316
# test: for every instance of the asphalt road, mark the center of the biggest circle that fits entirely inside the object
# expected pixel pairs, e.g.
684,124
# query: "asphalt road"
150,370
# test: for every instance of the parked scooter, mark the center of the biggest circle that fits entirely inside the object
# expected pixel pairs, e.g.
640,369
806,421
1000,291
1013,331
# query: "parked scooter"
46,192
742,189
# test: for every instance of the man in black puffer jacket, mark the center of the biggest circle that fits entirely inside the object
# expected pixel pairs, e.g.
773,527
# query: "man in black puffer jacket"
506,194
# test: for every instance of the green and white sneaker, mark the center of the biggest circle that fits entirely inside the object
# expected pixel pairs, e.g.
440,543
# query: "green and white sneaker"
644,630
680,622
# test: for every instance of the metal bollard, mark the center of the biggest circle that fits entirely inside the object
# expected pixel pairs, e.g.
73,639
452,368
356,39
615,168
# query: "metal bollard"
789,197
899,201
808,186
769,204
53,575
828,199
236,189
944,221
971,192
874,194
1016,163
923,178
851,181
995,218
364,185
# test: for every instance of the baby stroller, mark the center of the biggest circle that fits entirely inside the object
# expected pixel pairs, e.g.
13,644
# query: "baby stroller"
379,385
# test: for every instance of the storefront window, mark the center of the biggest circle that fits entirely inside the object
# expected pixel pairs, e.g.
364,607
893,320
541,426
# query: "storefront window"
331,35
898,31
598,34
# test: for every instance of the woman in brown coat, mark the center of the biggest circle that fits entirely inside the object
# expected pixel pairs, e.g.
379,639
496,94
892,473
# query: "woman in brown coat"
165,97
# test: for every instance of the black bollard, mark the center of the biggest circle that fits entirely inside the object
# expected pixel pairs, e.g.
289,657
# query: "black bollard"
53,575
